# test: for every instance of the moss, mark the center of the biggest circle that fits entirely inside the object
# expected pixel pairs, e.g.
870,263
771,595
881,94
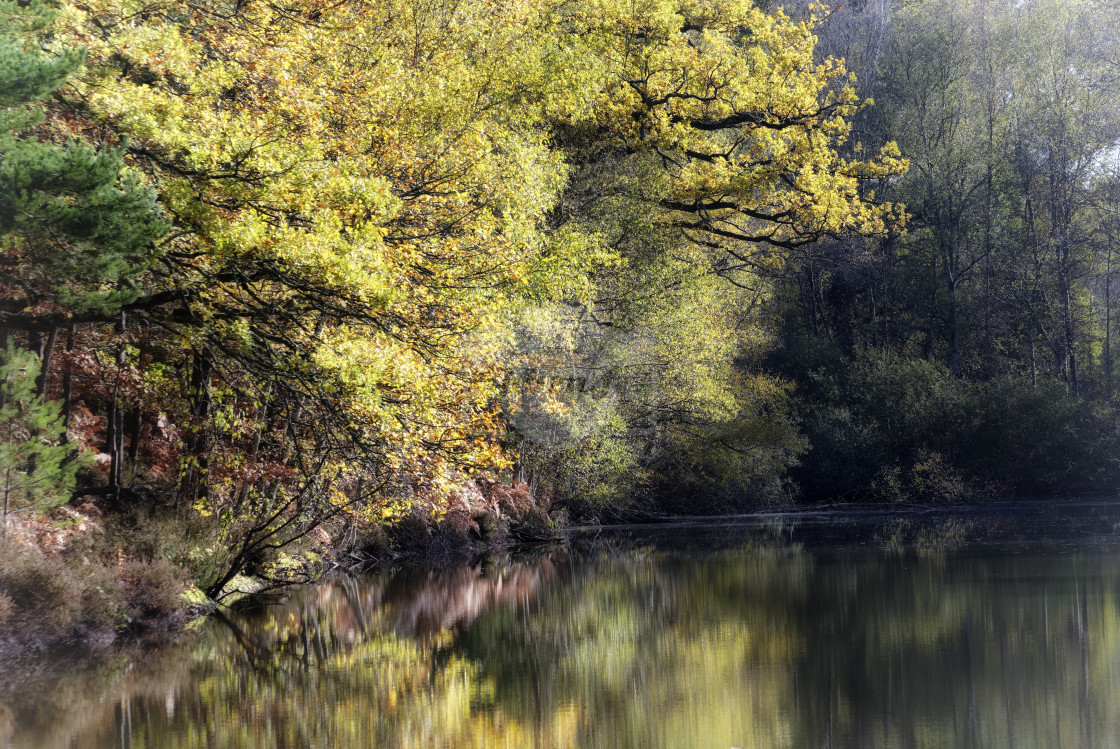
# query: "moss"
193,596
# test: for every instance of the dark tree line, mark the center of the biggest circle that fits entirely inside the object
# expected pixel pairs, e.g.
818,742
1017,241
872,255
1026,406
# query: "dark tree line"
1005,275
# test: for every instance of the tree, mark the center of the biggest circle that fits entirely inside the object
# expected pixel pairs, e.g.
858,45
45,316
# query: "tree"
708,156
1065,120
364,195
737,125
77,228
37,467
357,190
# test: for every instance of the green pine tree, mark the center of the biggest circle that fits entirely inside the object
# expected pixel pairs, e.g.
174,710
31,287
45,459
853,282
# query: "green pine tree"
37,467
77,229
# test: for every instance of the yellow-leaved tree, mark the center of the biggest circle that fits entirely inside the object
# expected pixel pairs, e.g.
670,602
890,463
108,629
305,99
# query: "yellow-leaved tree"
368,194
356,186
709,150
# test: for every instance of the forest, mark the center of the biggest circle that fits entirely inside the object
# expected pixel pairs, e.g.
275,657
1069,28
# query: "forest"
289,283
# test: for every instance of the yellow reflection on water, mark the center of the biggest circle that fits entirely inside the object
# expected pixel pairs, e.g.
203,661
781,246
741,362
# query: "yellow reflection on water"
763,645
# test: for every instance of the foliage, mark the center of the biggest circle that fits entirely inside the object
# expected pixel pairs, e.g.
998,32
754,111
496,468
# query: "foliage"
709,151
384,216
634,255
355,190
76,228
1006,272
37,465
900,429
928,479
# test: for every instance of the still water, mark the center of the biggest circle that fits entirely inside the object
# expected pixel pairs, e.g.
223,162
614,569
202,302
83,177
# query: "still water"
992,628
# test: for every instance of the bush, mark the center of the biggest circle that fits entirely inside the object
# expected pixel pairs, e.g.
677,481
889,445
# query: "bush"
929,479
874,421
1040,439
151,587
583,453
189,542
884,427
49,598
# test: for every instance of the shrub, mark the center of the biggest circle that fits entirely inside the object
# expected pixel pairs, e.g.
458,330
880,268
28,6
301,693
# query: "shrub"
885,427
50,598
151,587
188,542
875,422
929,479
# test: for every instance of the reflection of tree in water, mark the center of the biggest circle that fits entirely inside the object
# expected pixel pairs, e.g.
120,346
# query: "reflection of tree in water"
654,649
361,660
966,652
623,644
430,603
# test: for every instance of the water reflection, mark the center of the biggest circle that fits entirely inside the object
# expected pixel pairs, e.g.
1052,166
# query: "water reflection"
921,634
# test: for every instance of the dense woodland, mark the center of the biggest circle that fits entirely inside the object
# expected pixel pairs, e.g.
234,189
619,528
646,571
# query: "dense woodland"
345,271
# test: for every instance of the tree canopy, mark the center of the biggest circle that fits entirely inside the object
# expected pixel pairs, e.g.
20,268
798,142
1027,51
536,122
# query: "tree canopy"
402,244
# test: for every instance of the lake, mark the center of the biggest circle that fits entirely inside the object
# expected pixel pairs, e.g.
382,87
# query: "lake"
989,627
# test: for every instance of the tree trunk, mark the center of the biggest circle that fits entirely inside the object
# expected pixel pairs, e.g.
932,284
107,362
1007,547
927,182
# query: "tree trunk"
67,385
135,422
195,482
954,333
45,362
1108,319
1034,362
114,437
